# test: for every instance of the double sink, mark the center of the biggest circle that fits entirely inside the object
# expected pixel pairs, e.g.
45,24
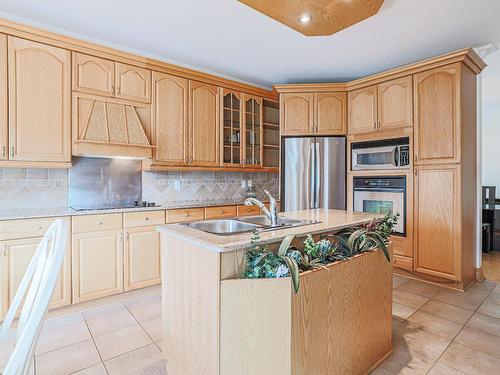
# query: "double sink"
225,227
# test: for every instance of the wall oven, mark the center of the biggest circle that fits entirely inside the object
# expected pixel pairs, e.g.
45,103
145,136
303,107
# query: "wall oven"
381,154
382,195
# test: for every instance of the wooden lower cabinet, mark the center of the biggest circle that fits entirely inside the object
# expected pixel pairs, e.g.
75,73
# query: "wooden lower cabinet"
141,258
438,221
97,264
16,257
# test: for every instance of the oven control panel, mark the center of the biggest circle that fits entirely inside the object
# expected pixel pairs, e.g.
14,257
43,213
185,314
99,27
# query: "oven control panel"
404,156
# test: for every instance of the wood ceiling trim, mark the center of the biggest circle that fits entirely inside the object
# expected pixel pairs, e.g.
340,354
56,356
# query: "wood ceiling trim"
328,16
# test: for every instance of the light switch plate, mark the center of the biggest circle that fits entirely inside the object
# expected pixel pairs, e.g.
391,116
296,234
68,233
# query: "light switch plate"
177,185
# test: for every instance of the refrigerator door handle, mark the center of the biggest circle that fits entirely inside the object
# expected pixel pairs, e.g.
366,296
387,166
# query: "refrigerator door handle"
317,174
313,175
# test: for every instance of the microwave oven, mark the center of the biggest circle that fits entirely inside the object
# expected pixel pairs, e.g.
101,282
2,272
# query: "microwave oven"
380,154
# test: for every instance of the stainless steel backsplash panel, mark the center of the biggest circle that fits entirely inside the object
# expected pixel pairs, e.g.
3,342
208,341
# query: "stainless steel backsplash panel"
98,182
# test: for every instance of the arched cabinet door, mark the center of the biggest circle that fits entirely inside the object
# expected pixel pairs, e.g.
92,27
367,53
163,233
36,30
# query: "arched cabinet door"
93,75
395,103
204,124
362,105
330,113
170,119
39,102
437,120
297,113
133,83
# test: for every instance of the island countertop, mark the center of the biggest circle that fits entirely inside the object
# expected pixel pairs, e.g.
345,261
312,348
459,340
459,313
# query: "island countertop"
328,220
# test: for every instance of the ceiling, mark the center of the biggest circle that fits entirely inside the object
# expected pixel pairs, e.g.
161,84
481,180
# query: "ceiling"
228,38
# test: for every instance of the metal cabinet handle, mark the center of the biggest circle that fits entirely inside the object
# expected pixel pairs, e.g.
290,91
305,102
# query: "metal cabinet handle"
99,223
3,152
12,152
221,212
147,218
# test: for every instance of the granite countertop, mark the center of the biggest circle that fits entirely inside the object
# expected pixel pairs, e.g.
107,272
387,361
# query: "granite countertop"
329,220
37,213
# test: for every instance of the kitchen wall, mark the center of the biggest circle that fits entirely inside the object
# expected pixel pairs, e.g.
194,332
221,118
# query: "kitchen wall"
204,187
48,188
490,155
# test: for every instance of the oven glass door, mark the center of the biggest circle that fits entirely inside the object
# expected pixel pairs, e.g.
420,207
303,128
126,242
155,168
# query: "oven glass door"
381,202
375,158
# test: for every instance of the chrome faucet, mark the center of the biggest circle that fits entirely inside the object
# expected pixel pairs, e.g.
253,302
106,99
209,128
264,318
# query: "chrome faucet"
271,213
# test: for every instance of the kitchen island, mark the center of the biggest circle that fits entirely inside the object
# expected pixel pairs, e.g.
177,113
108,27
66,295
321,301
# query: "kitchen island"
216,322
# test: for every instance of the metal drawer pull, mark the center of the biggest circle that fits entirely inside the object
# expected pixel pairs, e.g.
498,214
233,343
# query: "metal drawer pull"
147,218
99,223
222,212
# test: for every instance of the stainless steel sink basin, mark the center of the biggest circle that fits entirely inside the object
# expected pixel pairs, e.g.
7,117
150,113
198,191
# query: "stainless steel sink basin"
223,227
265,222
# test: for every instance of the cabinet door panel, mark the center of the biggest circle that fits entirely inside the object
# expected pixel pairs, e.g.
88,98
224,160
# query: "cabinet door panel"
204,124
133,83
297,114
3,98
330,113
97,265
362,105
18,255
170,119
437,218
93,75
142,257
39,102
437,127
395,103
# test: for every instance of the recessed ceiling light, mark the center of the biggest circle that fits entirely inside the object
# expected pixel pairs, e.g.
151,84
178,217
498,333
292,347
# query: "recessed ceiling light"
305,18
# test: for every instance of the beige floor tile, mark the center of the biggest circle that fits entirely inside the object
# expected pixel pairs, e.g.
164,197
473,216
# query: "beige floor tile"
402,311
32,370
398,280
483,341
380,371
108,319
94,370
131,362
122,341
68,360
404,362
485,323
490,308
396,323
61,336
146,308
409,299
470,361
6,348
153,328
440,369
494,298
467,300
420,340
435,324
420,288
62,321
447,311
159,344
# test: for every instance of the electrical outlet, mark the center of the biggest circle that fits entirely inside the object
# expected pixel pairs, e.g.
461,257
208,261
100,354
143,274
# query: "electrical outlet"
177,185
243,184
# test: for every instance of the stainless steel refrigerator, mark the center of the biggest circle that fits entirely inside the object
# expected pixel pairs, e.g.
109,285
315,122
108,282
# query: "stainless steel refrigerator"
313,173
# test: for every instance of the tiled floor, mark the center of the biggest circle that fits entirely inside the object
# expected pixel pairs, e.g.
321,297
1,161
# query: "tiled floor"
436,331
491,266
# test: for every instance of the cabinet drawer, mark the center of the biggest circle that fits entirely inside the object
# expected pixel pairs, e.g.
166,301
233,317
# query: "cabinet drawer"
185,214
401,246
95,223
403,262
243,210
141,219
26,228
220,211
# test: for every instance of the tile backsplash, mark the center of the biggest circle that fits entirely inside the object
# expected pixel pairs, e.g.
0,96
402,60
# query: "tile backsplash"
48,188
207,187
33,188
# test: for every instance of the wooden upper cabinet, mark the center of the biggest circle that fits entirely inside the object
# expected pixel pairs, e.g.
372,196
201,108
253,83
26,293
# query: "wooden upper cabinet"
330,113
253,137
437,126
362,106
39,102
437,221
395,103
204,124
170,119
3,99
297,113
93,75
133,83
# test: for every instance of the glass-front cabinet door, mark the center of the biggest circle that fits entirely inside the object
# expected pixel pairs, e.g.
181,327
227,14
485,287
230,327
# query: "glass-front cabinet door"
253,131
231,129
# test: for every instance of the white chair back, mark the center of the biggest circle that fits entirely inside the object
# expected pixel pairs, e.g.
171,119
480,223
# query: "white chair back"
35,290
